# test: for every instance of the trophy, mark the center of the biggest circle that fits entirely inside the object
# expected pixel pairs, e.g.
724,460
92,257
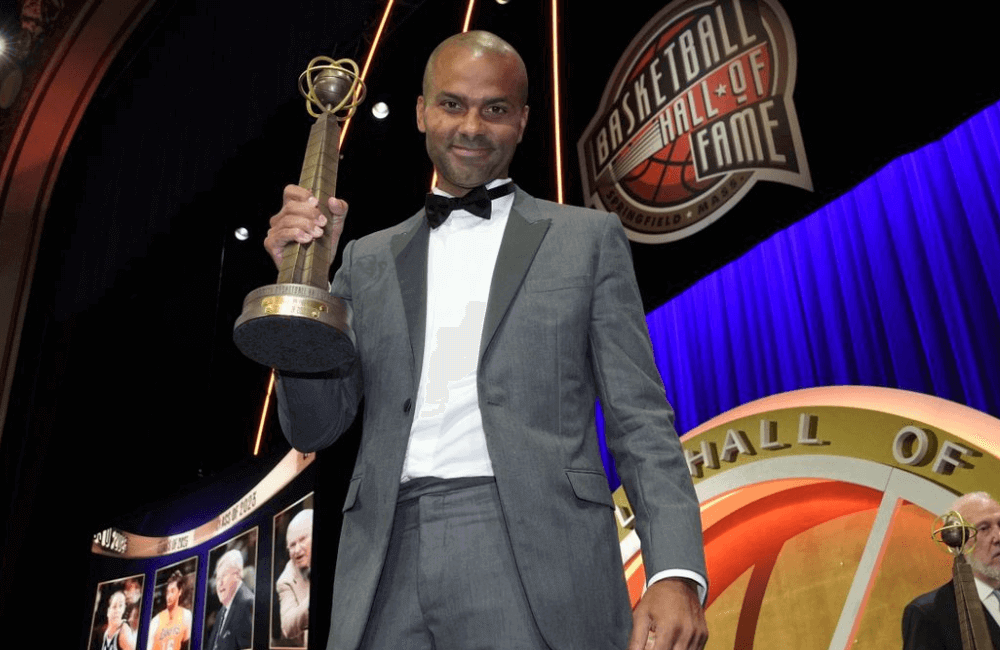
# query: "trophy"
295,325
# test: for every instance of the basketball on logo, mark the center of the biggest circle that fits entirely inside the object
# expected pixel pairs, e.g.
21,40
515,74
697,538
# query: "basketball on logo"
665,178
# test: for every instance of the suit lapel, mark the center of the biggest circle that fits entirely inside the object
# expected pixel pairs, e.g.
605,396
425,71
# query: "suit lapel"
410,252
524,233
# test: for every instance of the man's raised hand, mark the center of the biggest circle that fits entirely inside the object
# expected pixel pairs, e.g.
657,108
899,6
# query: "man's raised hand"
300,220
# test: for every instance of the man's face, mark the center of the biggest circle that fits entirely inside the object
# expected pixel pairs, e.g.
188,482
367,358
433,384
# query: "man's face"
473,117
299,540
984,514
116,609
173,594
227,581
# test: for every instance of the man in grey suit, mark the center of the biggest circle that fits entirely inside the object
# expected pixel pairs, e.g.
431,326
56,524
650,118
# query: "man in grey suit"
478,514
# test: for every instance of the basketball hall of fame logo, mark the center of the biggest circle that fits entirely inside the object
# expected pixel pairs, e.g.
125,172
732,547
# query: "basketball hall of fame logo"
698,109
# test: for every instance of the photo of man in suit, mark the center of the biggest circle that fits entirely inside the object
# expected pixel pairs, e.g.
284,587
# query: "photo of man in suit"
486,326
233,626
930,622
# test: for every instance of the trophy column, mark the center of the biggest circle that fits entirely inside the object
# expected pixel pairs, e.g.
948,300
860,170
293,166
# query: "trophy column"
295,325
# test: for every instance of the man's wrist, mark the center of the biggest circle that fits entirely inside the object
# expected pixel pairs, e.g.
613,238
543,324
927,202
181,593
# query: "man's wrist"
695,580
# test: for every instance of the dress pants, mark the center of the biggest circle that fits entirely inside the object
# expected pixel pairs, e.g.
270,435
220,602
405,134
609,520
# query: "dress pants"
449,581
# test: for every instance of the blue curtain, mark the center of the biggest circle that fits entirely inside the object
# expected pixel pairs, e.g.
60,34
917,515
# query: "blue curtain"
896,284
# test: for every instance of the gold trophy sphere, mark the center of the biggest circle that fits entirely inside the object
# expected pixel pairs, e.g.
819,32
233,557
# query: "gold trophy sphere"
332,86
954,533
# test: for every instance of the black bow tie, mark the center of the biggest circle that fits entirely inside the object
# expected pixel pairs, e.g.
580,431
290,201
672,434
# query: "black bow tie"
476,202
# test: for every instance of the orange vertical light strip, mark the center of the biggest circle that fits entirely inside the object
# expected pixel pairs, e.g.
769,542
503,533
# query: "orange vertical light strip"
371,55
468,15
263,415
556,110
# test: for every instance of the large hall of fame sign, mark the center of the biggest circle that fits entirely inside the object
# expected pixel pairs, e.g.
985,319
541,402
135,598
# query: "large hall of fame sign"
817,507
698,109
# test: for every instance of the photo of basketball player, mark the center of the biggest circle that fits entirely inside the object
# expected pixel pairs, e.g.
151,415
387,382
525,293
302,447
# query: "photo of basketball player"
290,567
173,600
115,621
229,601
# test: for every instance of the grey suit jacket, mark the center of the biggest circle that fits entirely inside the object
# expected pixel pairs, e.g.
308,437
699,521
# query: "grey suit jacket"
564,326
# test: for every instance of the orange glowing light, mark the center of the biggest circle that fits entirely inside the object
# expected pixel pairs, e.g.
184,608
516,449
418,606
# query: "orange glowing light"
371,55
556,117
468,16
263,414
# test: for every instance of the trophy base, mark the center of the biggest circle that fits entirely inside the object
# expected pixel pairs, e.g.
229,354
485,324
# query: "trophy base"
294,328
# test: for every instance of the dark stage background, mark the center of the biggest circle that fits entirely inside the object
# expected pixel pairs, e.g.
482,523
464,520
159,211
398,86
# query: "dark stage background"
128,390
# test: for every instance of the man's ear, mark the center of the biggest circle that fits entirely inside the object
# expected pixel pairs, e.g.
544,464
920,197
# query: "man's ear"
420,115
524,122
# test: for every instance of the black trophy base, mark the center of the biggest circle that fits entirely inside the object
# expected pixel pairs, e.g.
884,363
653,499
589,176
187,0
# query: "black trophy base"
294,328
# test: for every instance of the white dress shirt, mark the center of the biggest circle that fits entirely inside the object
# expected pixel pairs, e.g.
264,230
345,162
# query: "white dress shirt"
990,598
447,438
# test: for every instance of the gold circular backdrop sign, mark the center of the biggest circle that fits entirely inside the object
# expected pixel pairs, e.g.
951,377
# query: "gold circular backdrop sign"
817,508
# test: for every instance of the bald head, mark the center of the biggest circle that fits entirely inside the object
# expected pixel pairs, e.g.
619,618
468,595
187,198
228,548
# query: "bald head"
478,44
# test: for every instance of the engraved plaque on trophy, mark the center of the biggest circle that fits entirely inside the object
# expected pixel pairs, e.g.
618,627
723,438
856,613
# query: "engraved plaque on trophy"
295,325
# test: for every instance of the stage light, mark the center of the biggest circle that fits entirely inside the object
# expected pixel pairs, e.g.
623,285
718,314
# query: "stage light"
380,110
502,2
3,45
556,109
242,233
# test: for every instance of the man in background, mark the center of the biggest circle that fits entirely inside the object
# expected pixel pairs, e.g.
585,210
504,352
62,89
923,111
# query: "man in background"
930,622
293,583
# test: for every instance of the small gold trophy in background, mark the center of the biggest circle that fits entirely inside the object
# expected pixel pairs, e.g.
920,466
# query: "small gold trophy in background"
295,325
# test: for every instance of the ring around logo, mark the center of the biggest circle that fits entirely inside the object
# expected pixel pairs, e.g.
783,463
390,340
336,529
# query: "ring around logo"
698,109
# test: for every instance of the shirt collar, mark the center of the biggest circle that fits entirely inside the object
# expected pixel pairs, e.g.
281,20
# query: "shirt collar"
984,590
494,183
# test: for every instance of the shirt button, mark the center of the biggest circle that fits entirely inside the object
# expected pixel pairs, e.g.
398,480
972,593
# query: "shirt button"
407,405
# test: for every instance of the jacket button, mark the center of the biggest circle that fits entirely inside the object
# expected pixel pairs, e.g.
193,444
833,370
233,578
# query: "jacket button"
407,405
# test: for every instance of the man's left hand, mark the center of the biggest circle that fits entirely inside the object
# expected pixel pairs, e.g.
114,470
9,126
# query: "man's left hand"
671,612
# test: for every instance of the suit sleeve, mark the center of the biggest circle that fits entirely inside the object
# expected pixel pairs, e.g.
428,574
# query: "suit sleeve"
638,420
244,634
315,409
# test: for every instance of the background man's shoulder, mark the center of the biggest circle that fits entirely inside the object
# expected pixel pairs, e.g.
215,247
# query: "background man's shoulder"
941,598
